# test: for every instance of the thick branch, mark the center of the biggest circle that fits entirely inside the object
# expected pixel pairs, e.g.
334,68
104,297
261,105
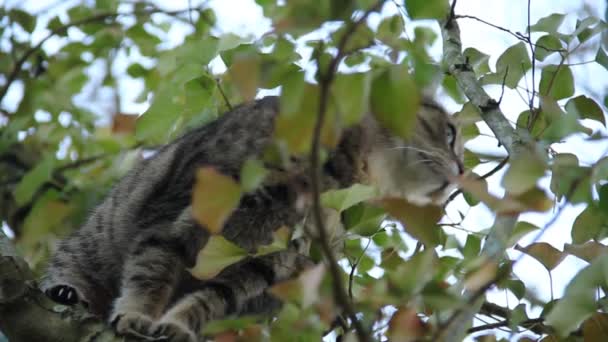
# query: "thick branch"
26,314
516,142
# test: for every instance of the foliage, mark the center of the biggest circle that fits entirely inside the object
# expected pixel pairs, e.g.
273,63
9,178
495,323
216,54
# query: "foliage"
59,154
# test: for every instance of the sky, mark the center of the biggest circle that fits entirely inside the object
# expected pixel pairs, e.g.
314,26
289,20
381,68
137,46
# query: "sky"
511,14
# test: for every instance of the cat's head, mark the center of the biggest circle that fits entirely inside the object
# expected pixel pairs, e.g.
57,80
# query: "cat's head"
422,168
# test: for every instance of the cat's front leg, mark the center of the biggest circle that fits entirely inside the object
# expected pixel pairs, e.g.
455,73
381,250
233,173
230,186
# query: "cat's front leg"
151,274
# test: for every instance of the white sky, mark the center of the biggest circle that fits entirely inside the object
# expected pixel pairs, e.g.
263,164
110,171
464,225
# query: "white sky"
245,17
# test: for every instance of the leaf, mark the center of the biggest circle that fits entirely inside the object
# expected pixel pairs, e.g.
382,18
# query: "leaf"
363,219
33,179
513,63
295,125
601,58
521,229
548,24
214,197
217,254
587,251
471,247
351,95
595,328
544,253
390,29
343,199
532,200
481,277
586,108
556,81
420,222
253,174
406,325
546,46
588,225
24,19
245,73
579,301
478,60
280,241
395,100
523,174
304,289
123,123
427,9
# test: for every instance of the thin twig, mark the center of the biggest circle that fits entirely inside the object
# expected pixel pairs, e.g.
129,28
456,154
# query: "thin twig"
325,80
484,176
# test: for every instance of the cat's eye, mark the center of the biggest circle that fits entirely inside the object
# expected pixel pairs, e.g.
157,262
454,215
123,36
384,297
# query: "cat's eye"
450,135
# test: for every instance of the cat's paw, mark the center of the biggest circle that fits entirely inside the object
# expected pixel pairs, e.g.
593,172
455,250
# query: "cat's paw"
172,331
132,324
63,294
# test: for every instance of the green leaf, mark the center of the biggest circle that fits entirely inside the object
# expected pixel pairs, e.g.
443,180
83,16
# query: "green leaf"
351,96
579,301
214,197
548,24
471,247
545,46
146,41
158,122
557,81
521,229
345,198
32,180
588,225
586,108
217,254
544,253
395,100
523,174
24,19
427,9
478,60
601,58
513,63
470,160
363,219
253,174
390,30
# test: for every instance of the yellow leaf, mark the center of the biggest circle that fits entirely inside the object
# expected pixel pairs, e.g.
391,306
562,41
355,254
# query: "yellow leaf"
304,289
214,198
481,277
420,222
405,325
245,72
280,240
217,254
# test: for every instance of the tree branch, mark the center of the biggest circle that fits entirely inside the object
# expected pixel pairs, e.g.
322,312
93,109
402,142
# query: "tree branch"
26,314
325,80
516,142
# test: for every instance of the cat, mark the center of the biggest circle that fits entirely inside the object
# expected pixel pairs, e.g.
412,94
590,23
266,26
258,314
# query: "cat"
129,262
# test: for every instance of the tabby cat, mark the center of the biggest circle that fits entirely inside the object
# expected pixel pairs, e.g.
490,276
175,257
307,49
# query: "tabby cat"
129,262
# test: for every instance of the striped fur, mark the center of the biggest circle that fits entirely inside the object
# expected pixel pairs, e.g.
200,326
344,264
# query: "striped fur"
129,261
